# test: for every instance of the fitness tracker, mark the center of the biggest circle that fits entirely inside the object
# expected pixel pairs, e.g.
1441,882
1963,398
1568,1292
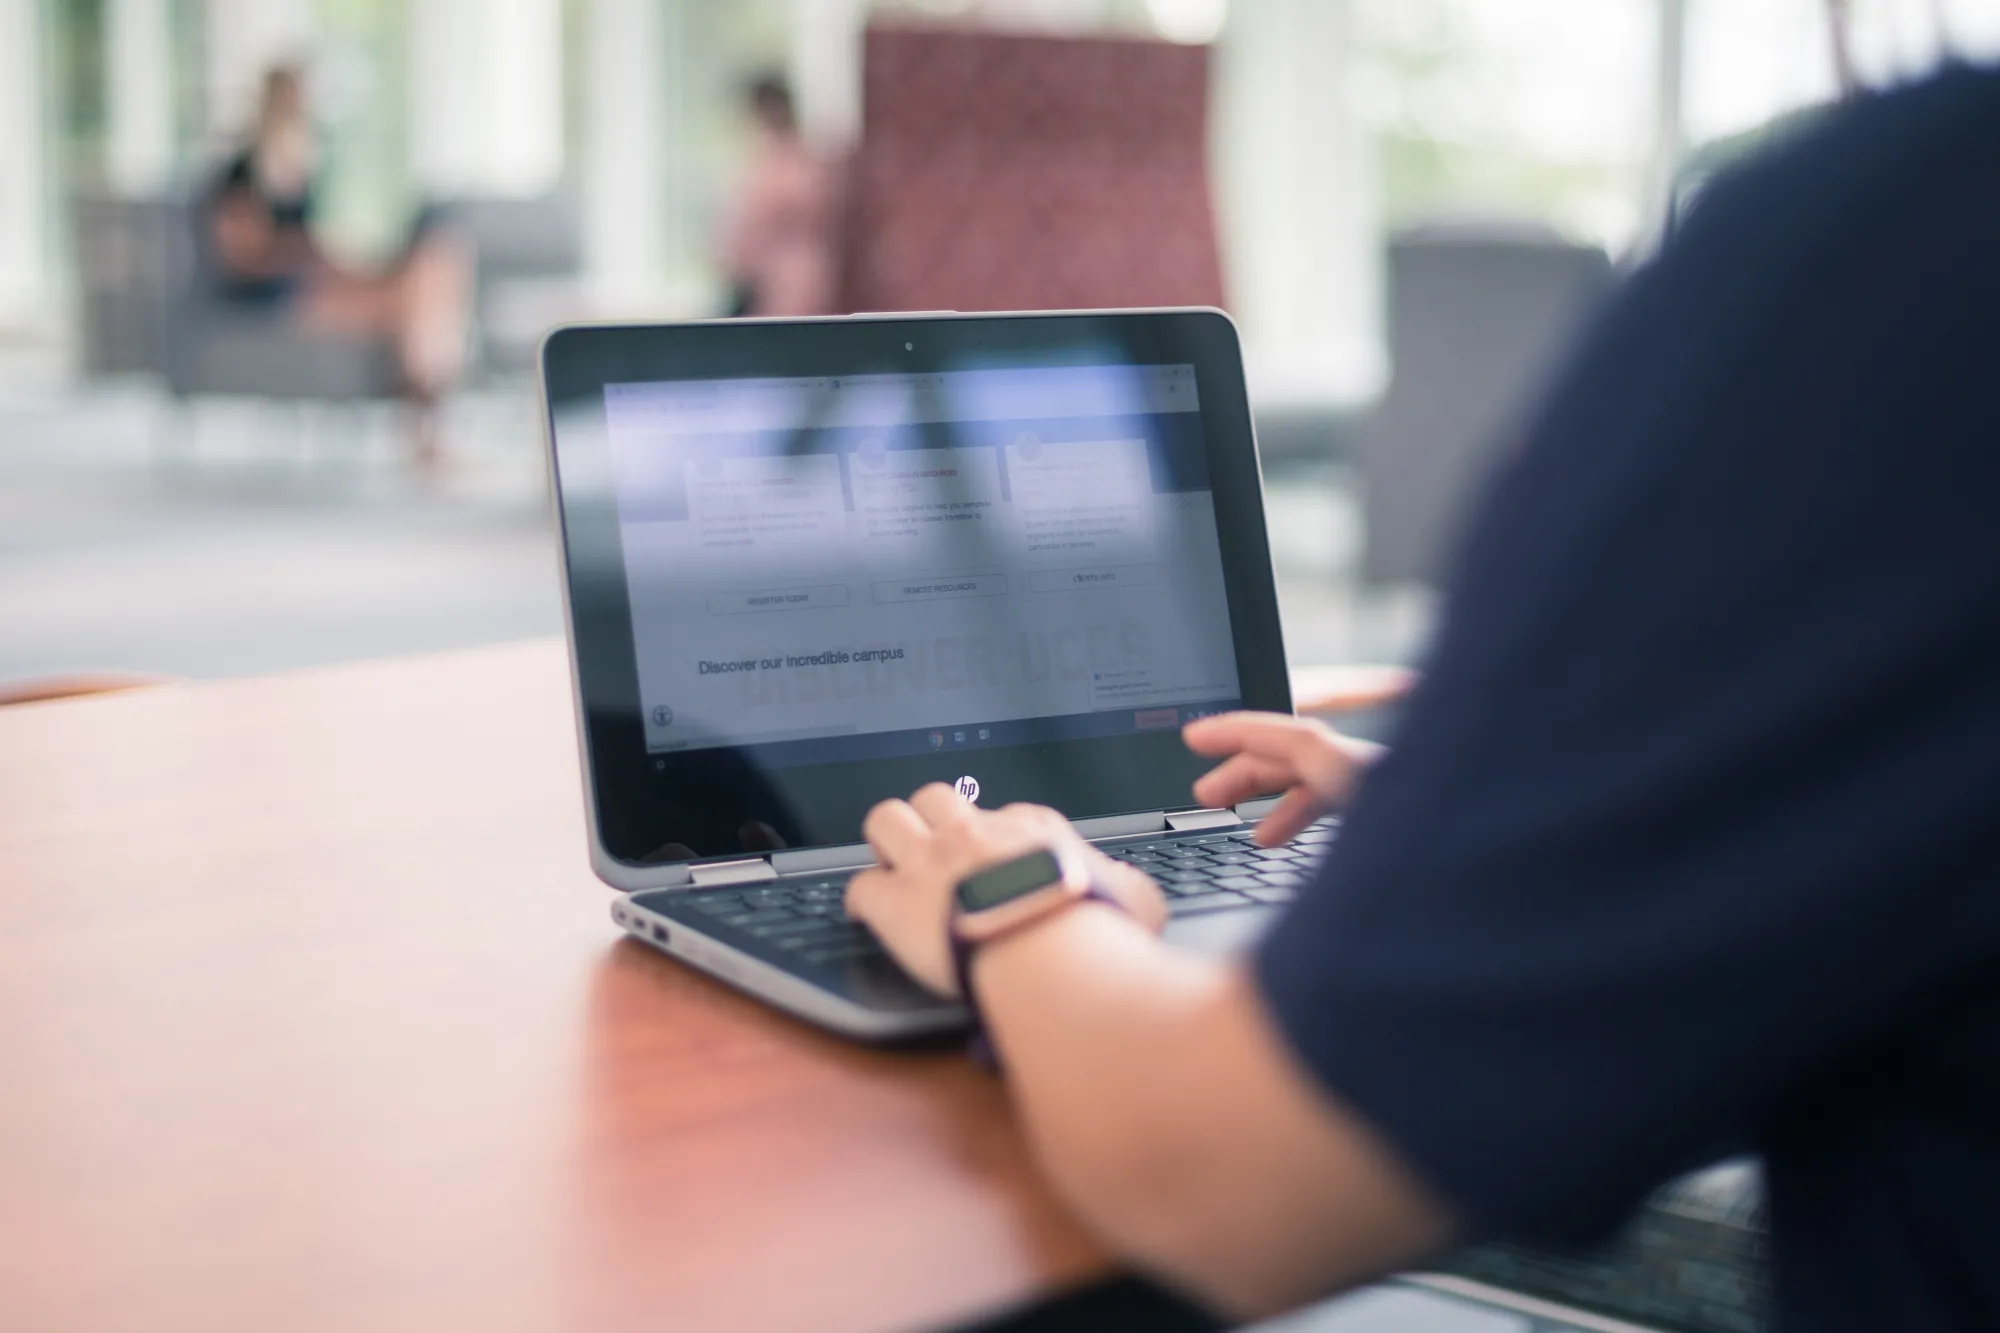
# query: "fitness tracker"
1001,899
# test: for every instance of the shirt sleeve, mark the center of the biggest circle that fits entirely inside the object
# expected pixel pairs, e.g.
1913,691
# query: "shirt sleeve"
1695,804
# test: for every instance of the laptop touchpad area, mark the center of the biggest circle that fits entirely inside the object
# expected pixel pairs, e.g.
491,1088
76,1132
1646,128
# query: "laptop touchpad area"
1220,932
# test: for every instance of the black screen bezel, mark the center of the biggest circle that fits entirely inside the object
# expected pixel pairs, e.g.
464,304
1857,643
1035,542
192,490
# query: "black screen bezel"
717,802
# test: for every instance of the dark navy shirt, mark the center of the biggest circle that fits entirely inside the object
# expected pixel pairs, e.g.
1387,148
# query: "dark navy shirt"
1690,839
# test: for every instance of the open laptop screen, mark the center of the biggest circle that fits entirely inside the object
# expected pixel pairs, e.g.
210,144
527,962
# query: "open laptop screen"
830,568
811,564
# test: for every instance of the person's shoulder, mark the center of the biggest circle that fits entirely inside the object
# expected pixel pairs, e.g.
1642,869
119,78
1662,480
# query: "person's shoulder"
1862,239
1807,228
1879,158
1959,105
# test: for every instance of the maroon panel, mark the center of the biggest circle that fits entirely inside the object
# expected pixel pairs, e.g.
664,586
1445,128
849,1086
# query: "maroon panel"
1003,172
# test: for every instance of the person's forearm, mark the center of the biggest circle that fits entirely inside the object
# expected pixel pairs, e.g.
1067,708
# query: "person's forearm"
1082,1009
1161,1106
1088,1012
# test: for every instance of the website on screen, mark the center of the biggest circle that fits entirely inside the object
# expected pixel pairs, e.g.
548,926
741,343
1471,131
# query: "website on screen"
840,567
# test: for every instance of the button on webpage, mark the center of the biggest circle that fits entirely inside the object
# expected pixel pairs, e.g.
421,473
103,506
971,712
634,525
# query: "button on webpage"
929,589
735,603
1101,576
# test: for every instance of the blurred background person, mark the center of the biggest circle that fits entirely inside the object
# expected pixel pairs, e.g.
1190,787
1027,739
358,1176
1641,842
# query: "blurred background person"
264,255
778,248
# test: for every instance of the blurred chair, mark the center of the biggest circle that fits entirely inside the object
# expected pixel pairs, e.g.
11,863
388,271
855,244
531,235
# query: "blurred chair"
1307,431
530,273
216,346
150,303
121,284
1478,316
1007,172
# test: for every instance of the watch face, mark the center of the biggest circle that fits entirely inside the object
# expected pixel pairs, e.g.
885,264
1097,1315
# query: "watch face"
1009,880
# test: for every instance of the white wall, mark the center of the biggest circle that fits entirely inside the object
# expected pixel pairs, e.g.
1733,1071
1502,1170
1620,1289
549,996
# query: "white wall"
627,44
486,96
139,91
825,69
1295,189
244,38
27,289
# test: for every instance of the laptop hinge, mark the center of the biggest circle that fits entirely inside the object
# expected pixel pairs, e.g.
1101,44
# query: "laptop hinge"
747,871
1180,821
1099,827
850,856
1251,811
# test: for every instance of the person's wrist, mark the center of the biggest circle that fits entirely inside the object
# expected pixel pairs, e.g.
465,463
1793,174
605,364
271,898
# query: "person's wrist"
1023,961
1030,939
966,951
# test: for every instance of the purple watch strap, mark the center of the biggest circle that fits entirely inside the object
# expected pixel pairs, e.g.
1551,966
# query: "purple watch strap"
979,1045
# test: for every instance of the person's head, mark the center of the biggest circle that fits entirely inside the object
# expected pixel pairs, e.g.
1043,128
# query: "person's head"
282,101
769,99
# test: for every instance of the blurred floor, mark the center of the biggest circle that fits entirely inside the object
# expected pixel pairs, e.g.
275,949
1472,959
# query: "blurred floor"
238,538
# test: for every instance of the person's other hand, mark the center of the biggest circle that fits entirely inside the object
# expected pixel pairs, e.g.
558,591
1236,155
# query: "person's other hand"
1312,764
927,844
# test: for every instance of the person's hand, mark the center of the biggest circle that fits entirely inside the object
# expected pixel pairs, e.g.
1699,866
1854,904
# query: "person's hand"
1312,764
927,844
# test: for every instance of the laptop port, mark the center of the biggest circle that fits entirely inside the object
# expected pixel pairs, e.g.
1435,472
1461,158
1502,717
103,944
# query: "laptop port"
659,933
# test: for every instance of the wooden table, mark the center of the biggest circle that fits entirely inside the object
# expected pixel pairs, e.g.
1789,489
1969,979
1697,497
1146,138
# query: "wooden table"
311,1018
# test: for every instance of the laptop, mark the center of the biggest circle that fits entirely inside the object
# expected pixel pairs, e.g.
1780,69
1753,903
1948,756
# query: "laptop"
812,564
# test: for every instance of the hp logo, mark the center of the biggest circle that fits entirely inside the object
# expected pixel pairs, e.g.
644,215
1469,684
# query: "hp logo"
968,787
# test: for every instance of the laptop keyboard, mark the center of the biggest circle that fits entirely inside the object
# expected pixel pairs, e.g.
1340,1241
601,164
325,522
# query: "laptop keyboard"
1198,872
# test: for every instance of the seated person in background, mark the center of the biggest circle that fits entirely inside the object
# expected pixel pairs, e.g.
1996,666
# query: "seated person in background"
1689,841
779,247
260,228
